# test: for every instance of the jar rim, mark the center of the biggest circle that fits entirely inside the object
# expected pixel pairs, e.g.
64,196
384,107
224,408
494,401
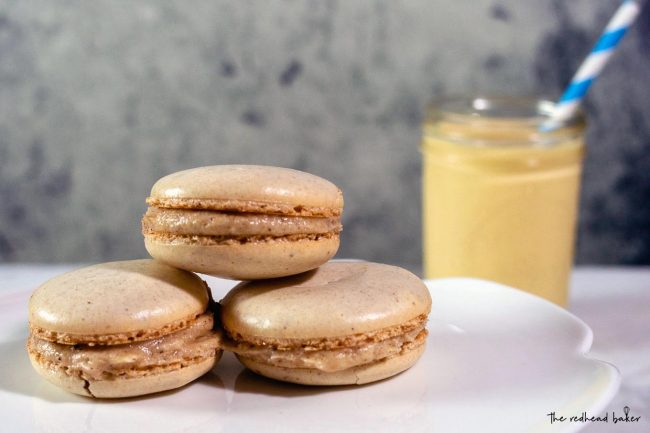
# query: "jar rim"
527,112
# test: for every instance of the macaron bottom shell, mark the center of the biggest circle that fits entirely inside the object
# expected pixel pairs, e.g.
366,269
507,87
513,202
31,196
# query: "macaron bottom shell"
127,387
358,375
245,261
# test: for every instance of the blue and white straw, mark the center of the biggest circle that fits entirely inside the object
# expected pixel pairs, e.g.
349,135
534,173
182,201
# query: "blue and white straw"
593,64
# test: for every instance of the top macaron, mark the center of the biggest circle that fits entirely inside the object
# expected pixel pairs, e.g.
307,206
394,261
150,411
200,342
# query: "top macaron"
243,221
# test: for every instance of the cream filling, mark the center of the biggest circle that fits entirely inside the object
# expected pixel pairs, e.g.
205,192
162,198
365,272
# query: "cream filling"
330,360
212,223
193,344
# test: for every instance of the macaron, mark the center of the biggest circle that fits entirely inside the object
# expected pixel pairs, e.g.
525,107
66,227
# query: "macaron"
343,323
122,329
243,222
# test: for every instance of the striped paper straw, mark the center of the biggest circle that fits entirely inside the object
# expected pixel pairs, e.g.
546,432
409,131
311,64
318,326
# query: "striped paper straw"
593,64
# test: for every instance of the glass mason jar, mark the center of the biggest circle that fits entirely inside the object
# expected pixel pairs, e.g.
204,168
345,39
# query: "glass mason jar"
500,197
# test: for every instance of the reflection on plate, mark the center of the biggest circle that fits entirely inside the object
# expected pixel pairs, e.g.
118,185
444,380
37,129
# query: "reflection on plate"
498,360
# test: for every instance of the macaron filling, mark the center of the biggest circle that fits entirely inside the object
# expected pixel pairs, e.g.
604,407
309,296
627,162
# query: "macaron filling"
194,344
207,227
211,223
334,359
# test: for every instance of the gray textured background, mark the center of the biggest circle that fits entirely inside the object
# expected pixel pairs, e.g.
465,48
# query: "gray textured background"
99,99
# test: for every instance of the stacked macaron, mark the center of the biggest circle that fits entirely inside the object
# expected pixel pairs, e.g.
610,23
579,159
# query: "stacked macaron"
131,328
243,221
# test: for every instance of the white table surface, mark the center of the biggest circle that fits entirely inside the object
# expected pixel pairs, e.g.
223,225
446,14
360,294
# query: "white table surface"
613,301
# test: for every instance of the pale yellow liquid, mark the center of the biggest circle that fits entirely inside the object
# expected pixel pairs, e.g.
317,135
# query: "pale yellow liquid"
505,212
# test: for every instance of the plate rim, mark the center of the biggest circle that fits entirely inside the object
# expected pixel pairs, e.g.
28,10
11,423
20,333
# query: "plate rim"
614,374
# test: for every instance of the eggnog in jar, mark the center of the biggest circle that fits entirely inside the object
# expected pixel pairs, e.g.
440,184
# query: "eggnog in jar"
499,196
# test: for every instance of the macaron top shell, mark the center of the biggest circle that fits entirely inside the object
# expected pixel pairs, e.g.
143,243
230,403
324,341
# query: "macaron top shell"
117,297
249,183
337,299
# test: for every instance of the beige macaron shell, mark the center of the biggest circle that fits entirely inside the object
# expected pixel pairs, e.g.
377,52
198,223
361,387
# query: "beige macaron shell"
127,387
249,183
337,299
249,261
117,297
359,375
